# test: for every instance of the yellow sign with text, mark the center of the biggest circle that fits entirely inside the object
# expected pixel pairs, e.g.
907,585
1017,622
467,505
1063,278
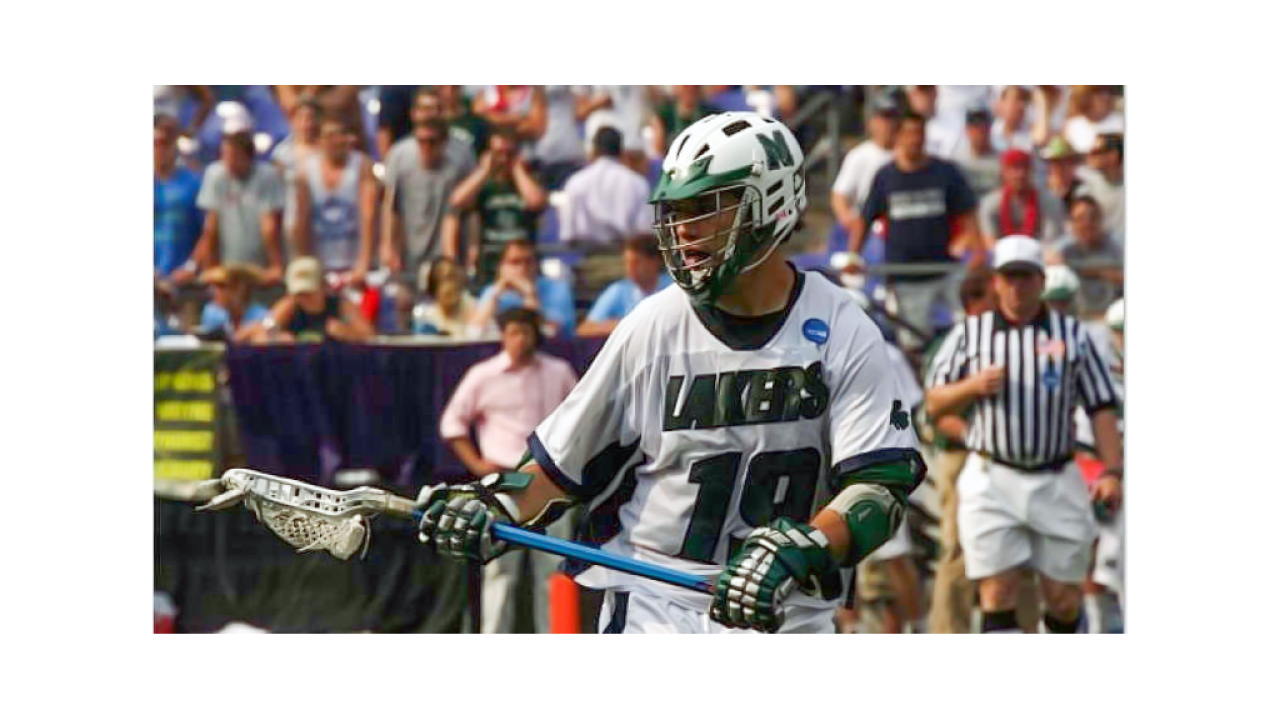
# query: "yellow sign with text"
184,435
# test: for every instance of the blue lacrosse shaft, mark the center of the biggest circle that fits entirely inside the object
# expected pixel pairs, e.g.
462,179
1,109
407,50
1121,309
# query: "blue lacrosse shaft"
564,548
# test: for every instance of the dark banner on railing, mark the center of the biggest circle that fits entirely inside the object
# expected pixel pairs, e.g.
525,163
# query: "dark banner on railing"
185,436
312,411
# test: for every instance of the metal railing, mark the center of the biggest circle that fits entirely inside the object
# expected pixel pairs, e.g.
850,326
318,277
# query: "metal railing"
826,150
959,267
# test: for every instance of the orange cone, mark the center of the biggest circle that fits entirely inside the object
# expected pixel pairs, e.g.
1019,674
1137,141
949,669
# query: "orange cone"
563,604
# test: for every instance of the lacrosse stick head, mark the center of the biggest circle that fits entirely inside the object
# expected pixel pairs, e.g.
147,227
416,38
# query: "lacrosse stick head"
306,516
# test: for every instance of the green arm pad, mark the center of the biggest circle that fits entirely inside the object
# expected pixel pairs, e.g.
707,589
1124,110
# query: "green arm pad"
872,496
511,480
900,470
872,514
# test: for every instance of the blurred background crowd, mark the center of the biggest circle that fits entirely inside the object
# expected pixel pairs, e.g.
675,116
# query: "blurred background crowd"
361,211
506,213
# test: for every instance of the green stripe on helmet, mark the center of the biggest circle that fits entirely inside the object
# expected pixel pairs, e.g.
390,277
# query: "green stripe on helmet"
697,181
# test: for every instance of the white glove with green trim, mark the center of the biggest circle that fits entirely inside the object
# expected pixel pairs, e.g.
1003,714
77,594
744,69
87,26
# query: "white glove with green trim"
773,561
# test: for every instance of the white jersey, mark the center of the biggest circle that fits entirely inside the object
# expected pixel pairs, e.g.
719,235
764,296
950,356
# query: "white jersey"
682,445
912,394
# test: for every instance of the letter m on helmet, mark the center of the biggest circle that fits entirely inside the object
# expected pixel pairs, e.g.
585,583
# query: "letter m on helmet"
776,150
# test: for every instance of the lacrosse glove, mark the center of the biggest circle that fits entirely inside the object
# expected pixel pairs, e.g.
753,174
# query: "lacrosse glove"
773,561
459,519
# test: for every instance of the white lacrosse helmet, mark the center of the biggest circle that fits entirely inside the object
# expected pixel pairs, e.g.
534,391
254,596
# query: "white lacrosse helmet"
741,161
1060,283
1115,315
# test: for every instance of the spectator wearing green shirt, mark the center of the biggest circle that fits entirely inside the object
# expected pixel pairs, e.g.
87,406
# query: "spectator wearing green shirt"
504,193
464,124
683,109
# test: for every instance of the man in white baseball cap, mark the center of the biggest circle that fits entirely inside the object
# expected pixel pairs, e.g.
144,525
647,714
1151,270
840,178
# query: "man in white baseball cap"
304,276
309,313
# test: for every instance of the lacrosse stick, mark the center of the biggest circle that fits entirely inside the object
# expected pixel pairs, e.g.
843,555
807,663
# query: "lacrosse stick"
309,517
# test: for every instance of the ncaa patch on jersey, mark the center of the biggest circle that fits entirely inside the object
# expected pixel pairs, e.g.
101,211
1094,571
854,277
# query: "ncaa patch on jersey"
815,331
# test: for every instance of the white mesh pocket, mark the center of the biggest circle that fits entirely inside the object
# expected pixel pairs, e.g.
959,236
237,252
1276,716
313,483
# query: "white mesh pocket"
306,531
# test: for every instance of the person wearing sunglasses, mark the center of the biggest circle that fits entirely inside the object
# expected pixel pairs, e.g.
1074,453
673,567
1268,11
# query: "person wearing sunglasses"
519,284
419,224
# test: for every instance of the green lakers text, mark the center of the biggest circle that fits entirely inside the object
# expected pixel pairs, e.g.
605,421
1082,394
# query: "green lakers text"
746,397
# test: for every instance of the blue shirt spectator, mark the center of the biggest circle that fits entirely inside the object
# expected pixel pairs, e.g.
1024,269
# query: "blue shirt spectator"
215,316
176,218
555,300
645,276
621,297
230,314
519,284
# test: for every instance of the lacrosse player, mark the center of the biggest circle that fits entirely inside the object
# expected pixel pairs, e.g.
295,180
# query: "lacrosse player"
744,425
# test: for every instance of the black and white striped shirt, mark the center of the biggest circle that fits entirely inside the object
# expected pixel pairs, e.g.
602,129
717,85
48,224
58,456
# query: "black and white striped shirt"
1050,364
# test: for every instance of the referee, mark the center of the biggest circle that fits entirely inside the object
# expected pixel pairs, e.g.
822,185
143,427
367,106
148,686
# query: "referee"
1021,369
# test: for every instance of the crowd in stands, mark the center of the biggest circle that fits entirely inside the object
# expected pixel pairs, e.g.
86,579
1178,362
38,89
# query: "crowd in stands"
379,183
946,171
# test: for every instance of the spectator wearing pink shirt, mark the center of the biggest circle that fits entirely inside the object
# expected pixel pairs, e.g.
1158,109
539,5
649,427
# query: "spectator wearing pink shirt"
504,398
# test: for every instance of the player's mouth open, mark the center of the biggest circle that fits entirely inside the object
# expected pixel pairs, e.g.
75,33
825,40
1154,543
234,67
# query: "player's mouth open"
692,258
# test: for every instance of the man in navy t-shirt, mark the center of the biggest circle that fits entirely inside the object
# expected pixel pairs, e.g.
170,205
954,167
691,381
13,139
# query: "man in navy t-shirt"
920,197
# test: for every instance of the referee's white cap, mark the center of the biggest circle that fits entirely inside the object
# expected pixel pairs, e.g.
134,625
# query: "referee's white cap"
1013,250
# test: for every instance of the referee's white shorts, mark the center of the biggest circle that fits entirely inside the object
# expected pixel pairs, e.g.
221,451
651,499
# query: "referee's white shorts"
1009,518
